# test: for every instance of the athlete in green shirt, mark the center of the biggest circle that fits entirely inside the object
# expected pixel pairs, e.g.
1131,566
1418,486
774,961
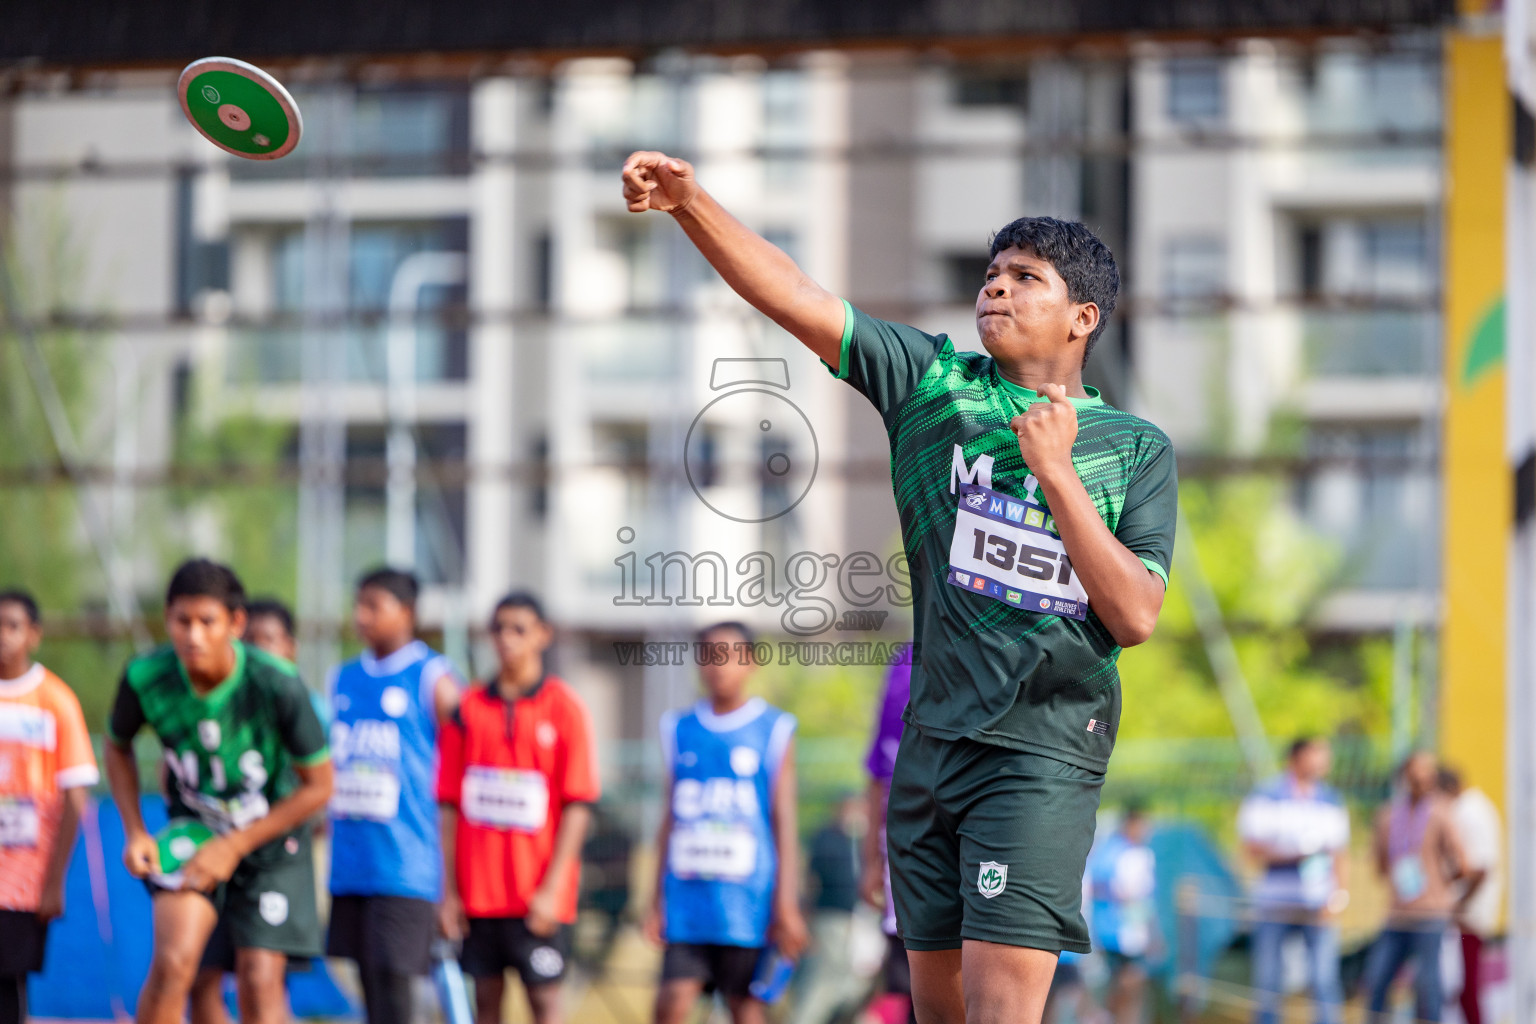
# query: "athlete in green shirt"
246,756
1038,523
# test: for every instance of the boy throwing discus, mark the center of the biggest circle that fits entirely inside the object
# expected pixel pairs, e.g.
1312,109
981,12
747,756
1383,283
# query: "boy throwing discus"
1038,524
246,756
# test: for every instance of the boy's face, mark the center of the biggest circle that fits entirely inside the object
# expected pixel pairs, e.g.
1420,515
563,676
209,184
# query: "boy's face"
383,621
1313,761
1421,773
268,633
519,635
201,630
726,682
19,635
1136,828
1023,312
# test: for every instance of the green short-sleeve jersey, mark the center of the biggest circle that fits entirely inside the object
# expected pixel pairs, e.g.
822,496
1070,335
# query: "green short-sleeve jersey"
230,753
984,669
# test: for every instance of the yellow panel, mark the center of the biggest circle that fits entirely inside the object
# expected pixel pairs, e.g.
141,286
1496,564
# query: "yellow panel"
1476,483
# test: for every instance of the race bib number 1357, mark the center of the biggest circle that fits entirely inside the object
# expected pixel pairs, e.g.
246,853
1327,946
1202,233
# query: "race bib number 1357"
1007,549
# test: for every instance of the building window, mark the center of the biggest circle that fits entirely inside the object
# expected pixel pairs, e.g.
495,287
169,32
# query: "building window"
1404,91
990,90
398,131
784,128
375,254
1196,93
1194,268
440,515
539,477
1395,257
964,274
544,271
620,451
1366,258
1309,252
1372,492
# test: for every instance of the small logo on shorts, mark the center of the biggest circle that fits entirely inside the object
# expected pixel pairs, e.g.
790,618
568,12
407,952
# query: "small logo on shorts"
546,961
991,878
1096,726
273,907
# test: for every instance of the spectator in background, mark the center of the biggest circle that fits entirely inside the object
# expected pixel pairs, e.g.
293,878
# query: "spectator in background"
896,1002
517,777
1476,913
390,705
1418,852
728,876
605,863
1297,830
269,626
829,982
47,768
1122,879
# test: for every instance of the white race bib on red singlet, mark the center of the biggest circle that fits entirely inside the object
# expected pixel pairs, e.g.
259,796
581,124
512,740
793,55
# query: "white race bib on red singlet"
19,822
505,798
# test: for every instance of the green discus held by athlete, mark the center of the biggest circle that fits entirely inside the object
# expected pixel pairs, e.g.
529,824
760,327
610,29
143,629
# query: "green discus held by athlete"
246,767
1038,523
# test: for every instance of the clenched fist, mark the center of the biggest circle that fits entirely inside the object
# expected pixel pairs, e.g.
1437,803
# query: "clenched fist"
211,865
1046,431
655,181
141,854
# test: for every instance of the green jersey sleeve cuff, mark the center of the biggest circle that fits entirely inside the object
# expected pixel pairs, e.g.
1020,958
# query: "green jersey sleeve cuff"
1159,570
841,373
318,757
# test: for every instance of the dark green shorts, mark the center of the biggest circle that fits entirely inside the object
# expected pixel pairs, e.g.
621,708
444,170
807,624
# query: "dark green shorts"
988,843
269,902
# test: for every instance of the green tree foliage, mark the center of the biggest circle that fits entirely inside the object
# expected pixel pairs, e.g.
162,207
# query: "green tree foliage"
835,707
234,468
41,547
1268,573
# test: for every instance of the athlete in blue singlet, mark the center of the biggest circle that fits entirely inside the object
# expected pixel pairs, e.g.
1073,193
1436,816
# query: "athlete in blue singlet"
728,878
386,858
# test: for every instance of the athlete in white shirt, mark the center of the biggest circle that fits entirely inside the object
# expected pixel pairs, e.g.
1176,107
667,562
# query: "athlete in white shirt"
1476,821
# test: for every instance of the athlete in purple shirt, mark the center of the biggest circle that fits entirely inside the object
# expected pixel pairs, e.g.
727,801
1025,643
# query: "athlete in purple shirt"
881,764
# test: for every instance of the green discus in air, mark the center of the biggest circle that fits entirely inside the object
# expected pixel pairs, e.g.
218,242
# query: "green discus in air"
178,841
240,108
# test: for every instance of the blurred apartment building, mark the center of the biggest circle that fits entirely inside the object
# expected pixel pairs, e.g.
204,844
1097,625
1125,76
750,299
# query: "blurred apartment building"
493,371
